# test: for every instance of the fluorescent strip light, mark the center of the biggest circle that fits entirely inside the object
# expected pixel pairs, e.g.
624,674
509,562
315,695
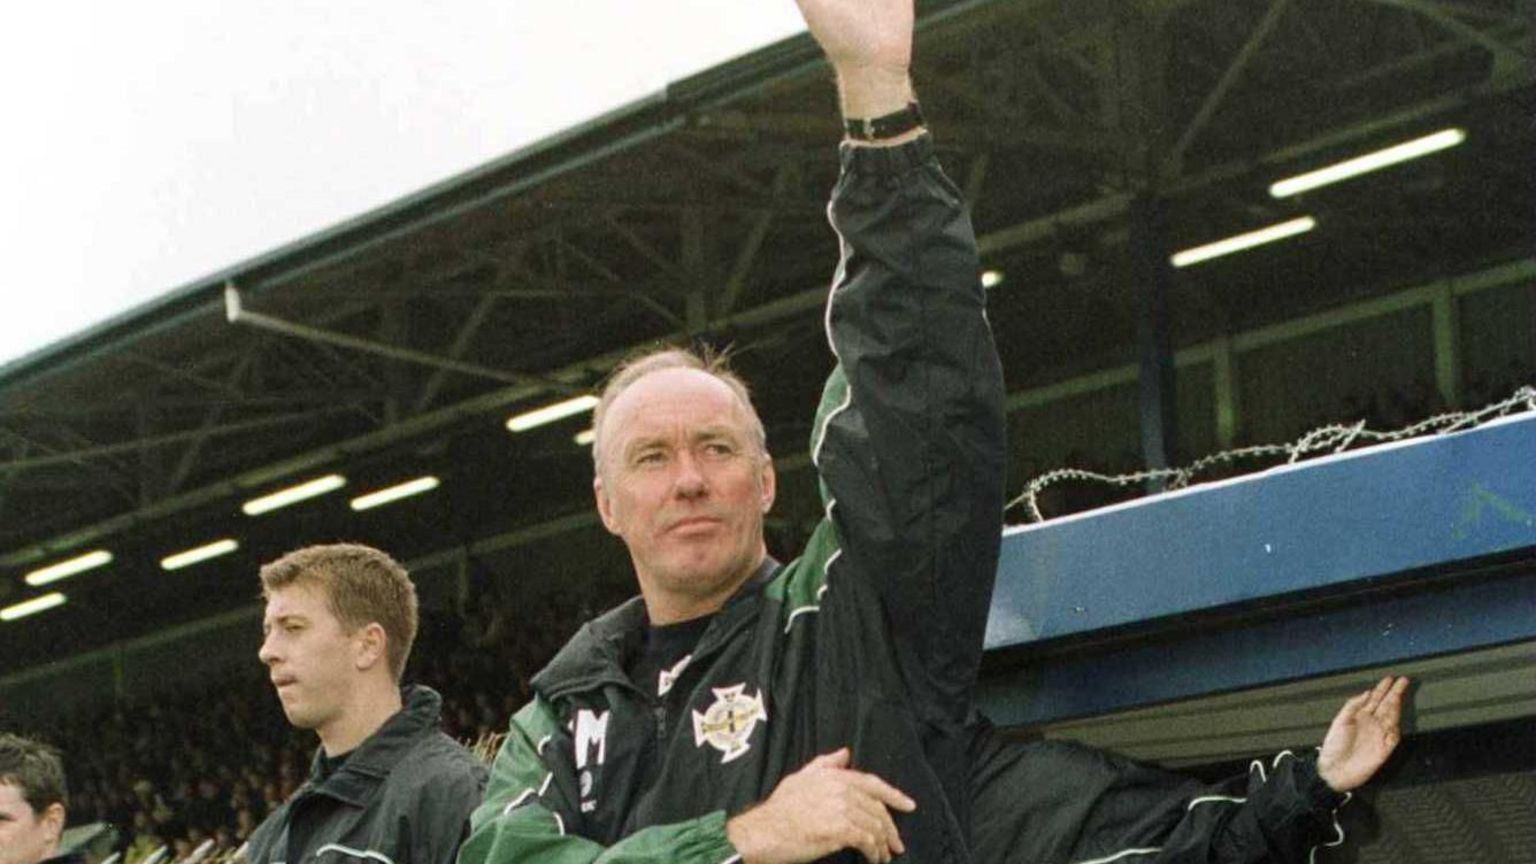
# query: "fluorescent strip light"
1243,241
200,554
991,279
31,607
1441,140
551,413
394,493
585,437
66,569
293,494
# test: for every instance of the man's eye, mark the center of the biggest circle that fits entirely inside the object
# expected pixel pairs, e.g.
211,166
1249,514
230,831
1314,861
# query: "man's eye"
650,457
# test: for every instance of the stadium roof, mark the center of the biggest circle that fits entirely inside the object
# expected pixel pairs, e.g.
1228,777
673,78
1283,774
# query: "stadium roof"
396,344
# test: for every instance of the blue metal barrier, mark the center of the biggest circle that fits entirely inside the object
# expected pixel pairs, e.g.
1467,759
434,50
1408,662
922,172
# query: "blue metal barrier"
1376,556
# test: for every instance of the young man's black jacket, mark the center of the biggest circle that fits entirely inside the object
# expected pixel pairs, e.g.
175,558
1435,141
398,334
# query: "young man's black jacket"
404,796
908,443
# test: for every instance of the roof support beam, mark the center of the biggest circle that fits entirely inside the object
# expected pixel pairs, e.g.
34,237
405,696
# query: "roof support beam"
237,314
461,342
753,243
105,451
1174,161
189,457
1440,15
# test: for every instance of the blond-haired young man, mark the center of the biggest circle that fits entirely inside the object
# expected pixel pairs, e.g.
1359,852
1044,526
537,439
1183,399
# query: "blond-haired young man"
385,785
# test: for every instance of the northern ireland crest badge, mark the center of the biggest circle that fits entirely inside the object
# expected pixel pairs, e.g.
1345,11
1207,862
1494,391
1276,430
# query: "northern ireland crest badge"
728,723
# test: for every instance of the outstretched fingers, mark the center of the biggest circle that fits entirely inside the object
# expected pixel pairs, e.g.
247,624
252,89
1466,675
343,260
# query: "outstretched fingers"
1388,710
1357,704
1378,693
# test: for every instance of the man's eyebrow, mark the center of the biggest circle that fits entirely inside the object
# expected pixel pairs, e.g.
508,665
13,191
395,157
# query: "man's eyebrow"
641,442
720,430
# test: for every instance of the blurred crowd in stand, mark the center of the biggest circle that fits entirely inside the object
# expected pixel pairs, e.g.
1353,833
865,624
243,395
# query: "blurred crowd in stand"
209,759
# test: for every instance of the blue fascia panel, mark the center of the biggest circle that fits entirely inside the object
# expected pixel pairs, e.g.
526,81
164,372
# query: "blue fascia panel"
1200,660
1338,522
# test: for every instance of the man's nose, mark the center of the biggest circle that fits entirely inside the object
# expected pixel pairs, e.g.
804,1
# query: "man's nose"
266,653
689,481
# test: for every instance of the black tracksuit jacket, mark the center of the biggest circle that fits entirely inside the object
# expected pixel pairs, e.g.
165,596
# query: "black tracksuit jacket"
908,443
871,639
404,796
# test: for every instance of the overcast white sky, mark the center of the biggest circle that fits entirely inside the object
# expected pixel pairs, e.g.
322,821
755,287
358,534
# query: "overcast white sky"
149,144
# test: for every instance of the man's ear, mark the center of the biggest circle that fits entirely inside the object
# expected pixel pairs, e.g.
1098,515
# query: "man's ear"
770,483
372,646
52,818
604,505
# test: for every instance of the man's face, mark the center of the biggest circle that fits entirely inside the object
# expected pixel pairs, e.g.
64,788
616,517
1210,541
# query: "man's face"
685,485
26,836
310,657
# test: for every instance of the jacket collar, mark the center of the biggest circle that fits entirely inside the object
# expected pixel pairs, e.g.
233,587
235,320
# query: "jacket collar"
596,654
367,766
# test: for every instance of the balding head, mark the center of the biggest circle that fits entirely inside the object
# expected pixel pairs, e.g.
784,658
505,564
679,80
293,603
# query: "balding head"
632,370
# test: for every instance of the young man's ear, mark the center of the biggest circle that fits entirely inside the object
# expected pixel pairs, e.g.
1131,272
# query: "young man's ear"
52,818
372,646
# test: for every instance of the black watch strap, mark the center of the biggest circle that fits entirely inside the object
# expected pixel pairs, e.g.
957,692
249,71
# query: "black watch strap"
885,126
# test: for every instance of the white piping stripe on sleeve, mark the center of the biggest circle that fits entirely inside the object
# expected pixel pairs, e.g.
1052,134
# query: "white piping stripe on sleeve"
837,277
356,853
516,802
826,423
734,859
1150,850
527,793
1258,765
1281,755
559,823
826,569
797,613
838,273
1211,799
1337,828
820,592
539,748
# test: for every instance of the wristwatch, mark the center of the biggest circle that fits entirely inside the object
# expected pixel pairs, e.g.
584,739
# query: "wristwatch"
886,125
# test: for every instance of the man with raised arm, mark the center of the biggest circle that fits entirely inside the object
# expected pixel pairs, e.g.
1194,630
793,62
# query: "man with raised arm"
741,709
744,710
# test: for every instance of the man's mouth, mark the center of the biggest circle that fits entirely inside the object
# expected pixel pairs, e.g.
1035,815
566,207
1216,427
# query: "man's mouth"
693,523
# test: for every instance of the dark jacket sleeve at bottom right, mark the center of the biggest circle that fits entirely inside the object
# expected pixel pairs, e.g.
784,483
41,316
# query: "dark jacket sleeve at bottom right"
1053,802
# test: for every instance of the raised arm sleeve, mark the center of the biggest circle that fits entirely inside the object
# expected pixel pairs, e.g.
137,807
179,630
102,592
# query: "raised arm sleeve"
909,435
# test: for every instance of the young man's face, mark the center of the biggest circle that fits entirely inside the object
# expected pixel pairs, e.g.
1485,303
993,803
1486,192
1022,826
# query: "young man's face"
311,658
685,485
27,836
